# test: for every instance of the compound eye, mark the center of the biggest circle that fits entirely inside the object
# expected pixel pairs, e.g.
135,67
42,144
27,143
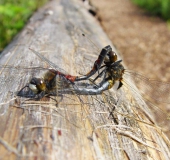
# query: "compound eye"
33,88
34,81
41,81
115,57
112,56
37,85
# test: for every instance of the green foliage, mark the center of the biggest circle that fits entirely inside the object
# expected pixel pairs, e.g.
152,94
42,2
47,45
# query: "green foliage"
165,9
13,16
156,7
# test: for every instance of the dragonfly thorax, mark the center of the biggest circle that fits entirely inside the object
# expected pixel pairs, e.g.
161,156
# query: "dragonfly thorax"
116,72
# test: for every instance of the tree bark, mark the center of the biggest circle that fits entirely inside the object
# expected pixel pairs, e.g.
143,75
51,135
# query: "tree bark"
72,126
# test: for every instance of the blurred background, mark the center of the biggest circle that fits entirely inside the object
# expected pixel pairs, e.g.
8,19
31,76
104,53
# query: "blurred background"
14,14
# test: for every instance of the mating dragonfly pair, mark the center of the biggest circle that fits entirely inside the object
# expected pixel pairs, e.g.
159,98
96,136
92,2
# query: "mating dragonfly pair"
111,71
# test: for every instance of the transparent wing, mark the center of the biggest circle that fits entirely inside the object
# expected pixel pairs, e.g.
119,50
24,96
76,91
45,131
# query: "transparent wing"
48,62
157,90
86,50
151,92
8,68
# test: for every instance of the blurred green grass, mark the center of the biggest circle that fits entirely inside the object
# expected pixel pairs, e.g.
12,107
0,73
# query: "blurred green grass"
13,16
155,7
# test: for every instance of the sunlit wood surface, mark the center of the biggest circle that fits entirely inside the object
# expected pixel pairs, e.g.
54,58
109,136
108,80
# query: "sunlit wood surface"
77,127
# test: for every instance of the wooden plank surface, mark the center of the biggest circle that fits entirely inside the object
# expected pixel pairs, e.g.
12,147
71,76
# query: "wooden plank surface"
78,127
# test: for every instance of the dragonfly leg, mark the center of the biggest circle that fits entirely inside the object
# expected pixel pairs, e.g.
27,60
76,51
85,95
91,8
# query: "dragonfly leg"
120,84
40,95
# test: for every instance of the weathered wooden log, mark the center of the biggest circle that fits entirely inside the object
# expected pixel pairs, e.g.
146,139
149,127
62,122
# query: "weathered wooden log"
106,126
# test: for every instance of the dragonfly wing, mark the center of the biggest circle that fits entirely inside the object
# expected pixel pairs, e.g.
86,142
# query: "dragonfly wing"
152,93
156,90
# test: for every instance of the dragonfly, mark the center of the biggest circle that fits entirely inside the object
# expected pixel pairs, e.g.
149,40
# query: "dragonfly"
110,72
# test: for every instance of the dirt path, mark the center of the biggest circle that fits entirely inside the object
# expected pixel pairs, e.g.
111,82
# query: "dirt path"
142,40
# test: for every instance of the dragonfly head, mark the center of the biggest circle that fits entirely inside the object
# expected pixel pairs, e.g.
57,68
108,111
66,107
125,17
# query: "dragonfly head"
37,85
110,58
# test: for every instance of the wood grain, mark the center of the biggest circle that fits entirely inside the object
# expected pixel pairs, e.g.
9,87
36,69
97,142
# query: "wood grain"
78,127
